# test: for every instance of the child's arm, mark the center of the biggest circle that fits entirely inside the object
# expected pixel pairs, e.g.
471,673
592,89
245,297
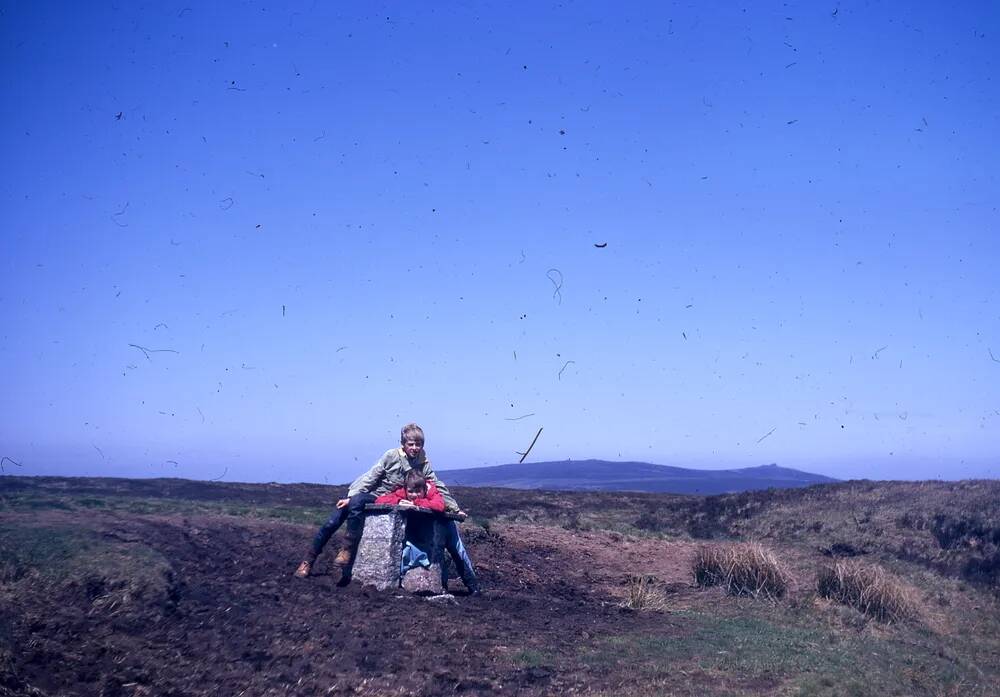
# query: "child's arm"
370,479
433,500
449,501
393,497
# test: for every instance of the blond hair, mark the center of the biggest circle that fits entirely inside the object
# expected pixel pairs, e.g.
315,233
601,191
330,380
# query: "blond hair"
411,432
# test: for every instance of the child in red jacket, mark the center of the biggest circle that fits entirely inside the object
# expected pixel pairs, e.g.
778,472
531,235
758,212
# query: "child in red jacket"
416,491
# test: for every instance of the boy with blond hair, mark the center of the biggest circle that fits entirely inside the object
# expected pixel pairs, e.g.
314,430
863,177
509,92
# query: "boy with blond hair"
386,475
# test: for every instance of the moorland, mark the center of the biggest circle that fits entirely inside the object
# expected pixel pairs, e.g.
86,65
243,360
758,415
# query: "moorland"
176,587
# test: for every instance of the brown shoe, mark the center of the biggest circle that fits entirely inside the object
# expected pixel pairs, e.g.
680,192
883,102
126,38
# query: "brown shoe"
303,570
344,557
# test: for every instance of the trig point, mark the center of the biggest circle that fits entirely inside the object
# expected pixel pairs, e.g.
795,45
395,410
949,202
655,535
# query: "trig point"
379,560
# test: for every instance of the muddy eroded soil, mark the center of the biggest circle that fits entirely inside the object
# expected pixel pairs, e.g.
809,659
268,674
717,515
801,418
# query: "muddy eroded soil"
223,615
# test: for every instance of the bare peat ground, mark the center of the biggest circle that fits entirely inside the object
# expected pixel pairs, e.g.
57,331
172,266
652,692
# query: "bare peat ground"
167,587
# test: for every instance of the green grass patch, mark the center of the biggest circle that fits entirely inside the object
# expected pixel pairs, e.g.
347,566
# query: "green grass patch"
29,501
534,658
110,574
744,653
43,551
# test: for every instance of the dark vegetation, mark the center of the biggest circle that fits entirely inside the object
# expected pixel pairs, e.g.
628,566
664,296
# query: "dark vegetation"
171,587
952,527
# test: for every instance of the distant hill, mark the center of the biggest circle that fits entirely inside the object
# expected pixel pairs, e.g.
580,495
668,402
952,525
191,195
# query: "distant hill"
602,475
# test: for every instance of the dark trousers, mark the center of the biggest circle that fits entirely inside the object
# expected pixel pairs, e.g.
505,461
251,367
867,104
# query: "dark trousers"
353,513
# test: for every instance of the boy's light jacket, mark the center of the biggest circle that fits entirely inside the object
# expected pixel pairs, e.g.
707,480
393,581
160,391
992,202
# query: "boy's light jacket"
389,473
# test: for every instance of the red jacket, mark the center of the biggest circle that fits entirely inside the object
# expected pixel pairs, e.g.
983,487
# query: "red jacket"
433,500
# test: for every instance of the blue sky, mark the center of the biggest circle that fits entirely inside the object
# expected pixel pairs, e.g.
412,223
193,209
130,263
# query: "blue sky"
330,219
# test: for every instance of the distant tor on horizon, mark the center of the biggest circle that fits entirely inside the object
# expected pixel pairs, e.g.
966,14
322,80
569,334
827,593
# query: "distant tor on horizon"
604,475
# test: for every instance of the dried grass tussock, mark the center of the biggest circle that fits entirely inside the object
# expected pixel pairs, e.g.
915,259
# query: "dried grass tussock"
746,568
868,588
643,592
709,566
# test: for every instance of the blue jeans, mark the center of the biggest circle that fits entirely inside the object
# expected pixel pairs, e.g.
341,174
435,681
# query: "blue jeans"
353,513
453,543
